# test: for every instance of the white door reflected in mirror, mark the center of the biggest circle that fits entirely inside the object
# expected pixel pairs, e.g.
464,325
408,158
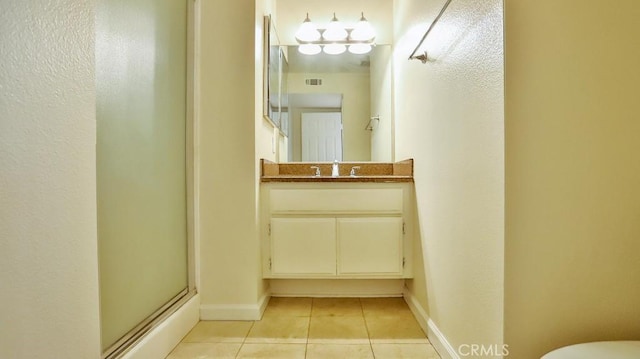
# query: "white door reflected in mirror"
321,136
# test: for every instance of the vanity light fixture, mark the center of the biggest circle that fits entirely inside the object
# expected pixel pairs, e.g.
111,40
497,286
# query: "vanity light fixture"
336,38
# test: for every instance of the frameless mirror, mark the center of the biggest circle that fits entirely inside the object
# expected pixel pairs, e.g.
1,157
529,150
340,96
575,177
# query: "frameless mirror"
331,102
357,87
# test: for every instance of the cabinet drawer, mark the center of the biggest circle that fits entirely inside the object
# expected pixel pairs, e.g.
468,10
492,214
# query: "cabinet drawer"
387,200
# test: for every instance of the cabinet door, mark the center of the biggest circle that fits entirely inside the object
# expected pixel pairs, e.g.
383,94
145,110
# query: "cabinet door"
301,246
370,245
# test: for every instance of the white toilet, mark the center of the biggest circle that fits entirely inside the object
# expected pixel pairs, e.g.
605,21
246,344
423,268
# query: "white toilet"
598,350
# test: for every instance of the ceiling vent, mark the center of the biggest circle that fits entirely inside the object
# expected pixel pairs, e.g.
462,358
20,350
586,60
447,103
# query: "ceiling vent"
313,82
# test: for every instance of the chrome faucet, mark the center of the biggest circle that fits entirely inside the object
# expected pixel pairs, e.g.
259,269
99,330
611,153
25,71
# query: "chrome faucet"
353,171
335,171
317,170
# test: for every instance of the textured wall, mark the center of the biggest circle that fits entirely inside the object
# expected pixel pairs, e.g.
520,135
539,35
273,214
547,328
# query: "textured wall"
449,118
572,172
48,242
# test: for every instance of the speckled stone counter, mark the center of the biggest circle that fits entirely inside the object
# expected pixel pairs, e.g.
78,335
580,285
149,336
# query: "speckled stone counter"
367,172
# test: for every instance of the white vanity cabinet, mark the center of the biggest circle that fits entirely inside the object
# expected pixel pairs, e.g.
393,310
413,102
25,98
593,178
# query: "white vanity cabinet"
336,230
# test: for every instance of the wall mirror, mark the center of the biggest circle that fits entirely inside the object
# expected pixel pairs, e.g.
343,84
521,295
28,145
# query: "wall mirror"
331,100
275,77
327,102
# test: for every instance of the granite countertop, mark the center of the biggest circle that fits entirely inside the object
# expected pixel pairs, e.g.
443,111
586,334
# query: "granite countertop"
377,172
294,178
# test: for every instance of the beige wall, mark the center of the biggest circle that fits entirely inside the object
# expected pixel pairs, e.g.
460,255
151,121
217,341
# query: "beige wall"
355,88
266,134
449,118
48,242
572,173
382,104
232,137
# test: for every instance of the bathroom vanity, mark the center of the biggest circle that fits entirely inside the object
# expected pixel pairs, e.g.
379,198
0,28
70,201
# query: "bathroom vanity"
346,226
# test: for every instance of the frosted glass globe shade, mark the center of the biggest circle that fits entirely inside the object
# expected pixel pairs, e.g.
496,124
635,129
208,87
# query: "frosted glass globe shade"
335,31
307,31
334,49
363,31
309,49
359,49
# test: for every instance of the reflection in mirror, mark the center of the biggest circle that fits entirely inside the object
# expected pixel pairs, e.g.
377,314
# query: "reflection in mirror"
331,99
316,127
275,76
284,92
274,84
267,73
366,91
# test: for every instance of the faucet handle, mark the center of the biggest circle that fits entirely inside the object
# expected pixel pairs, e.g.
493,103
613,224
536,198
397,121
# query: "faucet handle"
353,171
317,170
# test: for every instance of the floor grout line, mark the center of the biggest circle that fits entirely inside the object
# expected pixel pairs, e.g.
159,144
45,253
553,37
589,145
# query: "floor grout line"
367,328
253,322
306,346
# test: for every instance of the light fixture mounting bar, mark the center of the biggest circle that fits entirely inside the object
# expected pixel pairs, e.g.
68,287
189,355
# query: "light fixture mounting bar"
346,41
343,42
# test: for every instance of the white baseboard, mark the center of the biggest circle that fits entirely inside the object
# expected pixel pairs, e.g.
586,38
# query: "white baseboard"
263,302
440,342
235,311
416,309
161,340
437,339
336,287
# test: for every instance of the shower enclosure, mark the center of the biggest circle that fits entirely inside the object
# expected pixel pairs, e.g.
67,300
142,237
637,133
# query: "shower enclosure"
143,74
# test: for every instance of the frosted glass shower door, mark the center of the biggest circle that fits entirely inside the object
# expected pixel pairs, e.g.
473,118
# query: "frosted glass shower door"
141,71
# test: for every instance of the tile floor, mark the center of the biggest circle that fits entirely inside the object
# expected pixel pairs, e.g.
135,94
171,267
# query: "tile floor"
313,328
